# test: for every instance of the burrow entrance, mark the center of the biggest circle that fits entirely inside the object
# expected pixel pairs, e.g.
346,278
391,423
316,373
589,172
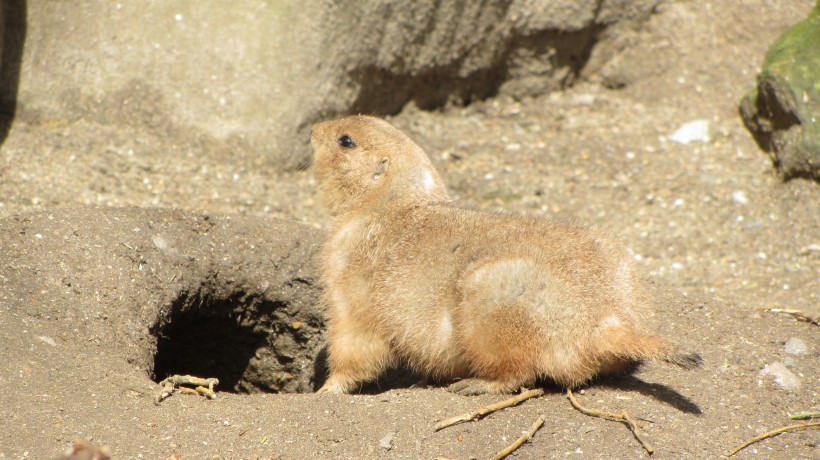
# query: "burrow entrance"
250,342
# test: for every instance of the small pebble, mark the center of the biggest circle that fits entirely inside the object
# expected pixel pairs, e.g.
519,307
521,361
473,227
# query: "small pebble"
795,346
695,130
781,375
386,442
47,340
159,243
514,147
739,197
583,99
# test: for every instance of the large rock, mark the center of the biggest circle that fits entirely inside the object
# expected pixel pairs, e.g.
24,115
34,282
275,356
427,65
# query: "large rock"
783,112
257,74
12,36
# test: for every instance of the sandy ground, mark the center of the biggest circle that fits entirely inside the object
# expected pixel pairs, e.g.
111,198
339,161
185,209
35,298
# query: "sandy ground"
722,237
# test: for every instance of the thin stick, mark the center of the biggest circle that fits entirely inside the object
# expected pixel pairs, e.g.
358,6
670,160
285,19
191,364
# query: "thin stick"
623,417
796,314
177,380
480,412
205,391
769,434
804,415
173,383
536,425
187,391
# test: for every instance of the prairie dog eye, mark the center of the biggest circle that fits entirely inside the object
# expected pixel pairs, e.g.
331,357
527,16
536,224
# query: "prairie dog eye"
346,142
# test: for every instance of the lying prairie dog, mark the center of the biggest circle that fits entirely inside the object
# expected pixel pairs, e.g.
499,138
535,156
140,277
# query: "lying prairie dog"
495,300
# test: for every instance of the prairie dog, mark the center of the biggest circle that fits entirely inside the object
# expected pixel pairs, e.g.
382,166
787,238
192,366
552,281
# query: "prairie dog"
495,300
81,450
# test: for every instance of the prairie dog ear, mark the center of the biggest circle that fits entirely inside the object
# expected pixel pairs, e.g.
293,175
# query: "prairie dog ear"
381,168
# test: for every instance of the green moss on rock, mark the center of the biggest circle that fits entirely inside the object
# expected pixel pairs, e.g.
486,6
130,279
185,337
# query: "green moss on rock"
783,111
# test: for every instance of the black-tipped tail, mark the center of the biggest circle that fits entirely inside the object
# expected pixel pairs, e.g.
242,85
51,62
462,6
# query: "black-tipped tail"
684,360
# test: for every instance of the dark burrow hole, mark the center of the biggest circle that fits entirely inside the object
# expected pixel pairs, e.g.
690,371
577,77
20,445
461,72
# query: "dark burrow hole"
251,343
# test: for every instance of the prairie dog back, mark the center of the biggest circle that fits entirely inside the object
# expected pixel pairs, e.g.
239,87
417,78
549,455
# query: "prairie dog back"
495,300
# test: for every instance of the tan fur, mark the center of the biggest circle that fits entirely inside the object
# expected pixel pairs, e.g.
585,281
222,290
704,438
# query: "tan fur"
496,300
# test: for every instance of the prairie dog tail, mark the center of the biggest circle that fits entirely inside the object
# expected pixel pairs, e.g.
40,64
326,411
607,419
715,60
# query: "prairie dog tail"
684,360
632,346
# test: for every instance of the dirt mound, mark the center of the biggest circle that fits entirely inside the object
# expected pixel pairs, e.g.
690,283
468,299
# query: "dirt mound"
172,292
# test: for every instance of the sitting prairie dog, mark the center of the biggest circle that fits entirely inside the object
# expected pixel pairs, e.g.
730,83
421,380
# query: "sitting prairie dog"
495,300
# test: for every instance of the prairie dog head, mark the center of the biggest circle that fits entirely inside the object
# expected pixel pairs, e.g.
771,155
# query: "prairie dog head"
364,162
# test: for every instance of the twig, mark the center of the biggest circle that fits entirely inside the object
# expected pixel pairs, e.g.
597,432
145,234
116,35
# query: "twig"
478,413
536,425
623,417
187,391
191,380
208,392
796,314
201,386
769,434
804,415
